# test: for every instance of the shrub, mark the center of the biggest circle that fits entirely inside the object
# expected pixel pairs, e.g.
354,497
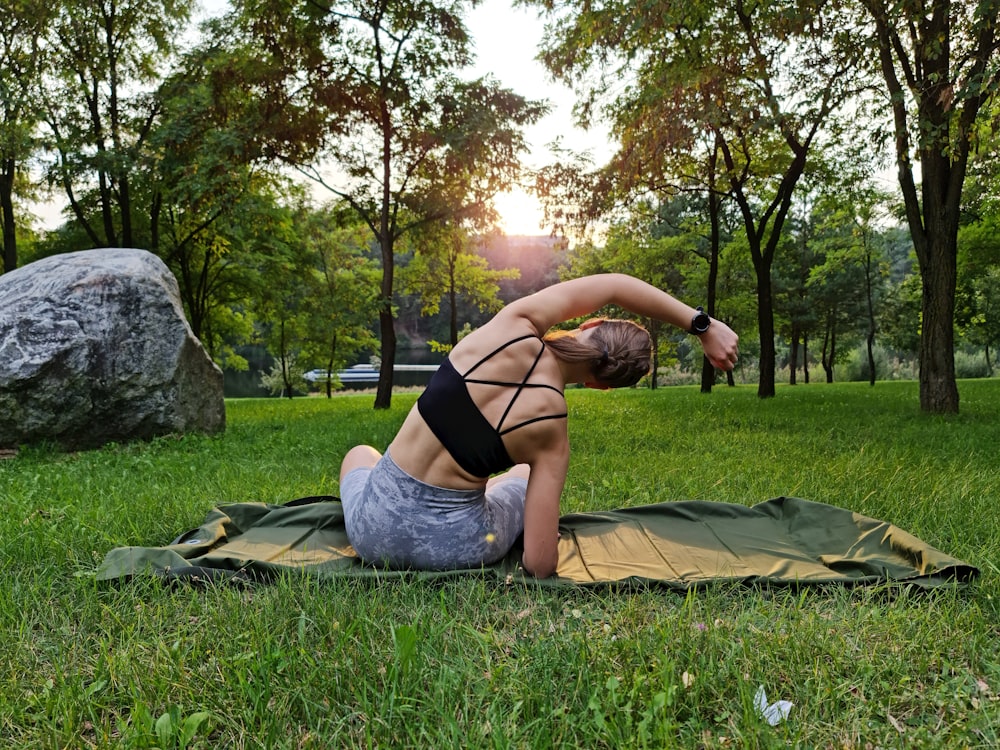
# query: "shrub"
971,364
889,365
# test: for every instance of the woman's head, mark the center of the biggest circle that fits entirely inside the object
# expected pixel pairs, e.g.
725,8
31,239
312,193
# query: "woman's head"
619,351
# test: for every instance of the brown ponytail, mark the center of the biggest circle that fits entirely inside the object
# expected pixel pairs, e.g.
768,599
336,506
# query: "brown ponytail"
619,350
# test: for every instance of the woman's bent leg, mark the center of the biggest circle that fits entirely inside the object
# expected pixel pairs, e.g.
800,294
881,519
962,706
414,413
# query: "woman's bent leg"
520,471
358,457
505,495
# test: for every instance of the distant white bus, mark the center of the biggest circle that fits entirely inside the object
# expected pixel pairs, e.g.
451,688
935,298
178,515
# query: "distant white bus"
368,375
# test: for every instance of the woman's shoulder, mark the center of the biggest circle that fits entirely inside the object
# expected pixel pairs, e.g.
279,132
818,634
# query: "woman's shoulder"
498,334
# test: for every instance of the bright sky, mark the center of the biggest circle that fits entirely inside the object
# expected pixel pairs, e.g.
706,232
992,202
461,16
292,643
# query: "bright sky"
506,41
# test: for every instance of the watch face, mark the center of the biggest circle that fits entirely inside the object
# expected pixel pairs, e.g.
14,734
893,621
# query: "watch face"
700,322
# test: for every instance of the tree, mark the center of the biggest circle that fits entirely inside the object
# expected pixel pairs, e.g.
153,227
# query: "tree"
756,81
940,69
682,217
22,25
210,178
107,58
406,141
978,294
793,301
446,266
342,288
280,303
849,282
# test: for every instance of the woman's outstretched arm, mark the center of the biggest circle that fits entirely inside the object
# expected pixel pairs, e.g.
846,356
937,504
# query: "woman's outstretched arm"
587,294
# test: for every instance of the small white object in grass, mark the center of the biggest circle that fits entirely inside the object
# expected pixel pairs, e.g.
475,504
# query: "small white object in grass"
773,713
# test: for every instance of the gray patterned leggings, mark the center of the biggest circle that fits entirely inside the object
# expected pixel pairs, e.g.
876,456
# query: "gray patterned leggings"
400,522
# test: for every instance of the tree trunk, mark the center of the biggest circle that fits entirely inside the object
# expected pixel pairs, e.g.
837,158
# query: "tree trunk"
7,204
285,374
387,328
938,388
714,209
156,207
833,352
387,240
935,241
453,312
654,336
870,341
707,375
107,209
793,357
125,207
329,366
805,358
869,296
826,355
765,323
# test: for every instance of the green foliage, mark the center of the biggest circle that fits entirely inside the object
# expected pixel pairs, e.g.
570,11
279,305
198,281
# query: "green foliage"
446,266
977,313
410,142
22,27
744,102
852,365
439,348
973,364
173,731
285,377
105,61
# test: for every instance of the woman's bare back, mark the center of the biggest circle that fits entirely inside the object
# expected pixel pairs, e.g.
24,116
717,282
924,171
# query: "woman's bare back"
421,454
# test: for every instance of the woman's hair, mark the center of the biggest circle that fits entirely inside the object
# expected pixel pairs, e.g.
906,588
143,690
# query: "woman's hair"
619,350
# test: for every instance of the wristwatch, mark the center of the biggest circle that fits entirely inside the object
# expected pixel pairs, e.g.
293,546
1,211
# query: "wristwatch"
700,322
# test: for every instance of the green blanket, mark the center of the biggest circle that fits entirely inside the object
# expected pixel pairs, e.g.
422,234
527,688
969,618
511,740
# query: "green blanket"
681,545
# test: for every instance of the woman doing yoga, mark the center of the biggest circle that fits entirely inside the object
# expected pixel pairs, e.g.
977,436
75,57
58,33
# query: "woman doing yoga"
483,454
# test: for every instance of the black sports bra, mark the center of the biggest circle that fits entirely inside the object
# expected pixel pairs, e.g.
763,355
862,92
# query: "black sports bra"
448,409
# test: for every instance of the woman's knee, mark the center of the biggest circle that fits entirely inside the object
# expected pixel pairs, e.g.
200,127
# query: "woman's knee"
359,457
520,471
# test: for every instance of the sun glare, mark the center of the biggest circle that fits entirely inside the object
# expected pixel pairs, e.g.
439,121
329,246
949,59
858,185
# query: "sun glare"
520,213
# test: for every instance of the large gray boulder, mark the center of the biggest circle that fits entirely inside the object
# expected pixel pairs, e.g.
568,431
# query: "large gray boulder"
95,348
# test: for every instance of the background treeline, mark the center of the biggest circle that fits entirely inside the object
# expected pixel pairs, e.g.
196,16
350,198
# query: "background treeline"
319,174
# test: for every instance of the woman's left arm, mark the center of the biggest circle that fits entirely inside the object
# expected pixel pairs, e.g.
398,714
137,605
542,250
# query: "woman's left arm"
585,295
541,510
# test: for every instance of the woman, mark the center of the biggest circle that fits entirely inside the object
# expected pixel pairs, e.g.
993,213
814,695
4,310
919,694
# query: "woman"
497,405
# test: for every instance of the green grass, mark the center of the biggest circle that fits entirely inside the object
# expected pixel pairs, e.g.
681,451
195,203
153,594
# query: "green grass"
472,663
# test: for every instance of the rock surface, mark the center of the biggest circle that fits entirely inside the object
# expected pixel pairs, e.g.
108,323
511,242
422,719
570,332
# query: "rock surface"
95,348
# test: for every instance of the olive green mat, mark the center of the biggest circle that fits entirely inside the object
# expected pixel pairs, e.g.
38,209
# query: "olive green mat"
783,541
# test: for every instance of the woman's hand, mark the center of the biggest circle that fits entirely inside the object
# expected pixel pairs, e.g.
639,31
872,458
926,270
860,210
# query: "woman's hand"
721,345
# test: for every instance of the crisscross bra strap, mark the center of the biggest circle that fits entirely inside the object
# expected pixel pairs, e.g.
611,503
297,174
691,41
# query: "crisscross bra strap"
494,353
519,386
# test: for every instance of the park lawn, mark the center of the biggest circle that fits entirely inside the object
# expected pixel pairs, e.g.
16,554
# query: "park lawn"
473,663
